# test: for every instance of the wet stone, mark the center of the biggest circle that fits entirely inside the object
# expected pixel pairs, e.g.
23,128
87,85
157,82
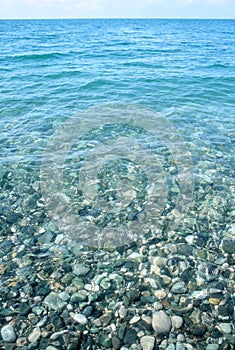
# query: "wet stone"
198,329
8,334
130,337
161,322
179,288
212,347
57,322
53,301
105,341
79,297
24,309
147,342
116,343
228,245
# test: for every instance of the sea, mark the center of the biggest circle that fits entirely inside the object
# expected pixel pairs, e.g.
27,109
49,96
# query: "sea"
94,92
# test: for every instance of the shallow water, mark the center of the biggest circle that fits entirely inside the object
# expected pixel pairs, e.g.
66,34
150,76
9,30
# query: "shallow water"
51,73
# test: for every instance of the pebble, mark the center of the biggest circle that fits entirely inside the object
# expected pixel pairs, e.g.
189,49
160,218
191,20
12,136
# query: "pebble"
161,322
134,319
147,342
212,347
21,341
177,322
34,335
80,270
123,312
179,288
80,318
180,346
198,329
8,334
228,245
116,343
225,327
130,337
135,257
180,338
53,301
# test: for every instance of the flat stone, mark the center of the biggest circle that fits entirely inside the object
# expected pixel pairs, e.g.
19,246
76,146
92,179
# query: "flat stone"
116,343
130,337
179,346
135,257
8,334
198,329
212,347
177,322
147,342
225,327
79,297
80,318
80,270
161,322
53,301
179,288
34,335
228,245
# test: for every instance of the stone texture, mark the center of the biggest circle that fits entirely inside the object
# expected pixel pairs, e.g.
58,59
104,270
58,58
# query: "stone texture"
161,322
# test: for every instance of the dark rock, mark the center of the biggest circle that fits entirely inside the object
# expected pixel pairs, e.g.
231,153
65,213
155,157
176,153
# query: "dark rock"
130,337
145,326
57,322
24,309
105,341
116,342
226,310
88,311
228,245
133,295
121,331
185,249
43,343
198,329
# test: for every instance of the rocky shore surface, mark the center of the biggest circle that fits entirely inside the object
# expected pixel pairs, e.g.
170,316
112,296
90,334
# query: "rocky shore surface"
173,290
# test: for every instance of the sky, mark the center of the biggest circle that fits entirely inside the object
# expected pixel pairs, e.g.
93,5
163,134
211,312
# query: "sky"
117,8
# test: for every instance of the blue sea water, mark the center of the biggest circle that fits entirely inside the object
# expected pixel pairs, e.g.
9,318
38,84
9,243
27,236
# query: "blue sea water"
51,70
183,69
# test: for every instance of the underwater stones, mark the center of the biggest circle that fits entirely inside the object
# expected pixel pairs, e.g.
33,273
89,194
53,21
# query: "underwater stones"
179,288
8,333
80,270
147,342
80,318
161,323
130,337
225,328
228,245
116,343
53,301
198,329
34,335
177,322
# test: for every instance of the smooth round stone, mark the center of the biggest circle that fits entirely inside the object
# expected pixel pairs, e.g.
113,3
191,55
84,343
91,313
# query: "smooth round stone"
8,334
130,337
180,346
212,347
147,342
24,309
225,327
105,341
79,296
34,335
171,347
161,323
80,318
179,288
228,245
180,338
198,329
53,301
177,322
116,343
81,270
123,312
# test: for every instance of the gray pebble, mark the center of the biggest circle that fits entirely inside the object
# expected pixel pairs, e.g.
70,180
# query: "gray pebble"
212,347
8,334
53,301
161,322
179,288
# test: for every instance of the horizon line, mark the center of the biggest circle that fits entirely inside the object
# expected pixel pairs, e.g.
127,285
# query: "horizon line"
85,18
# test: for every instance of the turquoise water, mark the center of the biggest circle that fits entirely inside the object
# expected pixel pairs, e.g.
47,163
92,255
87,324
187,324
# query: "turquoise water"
70,89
